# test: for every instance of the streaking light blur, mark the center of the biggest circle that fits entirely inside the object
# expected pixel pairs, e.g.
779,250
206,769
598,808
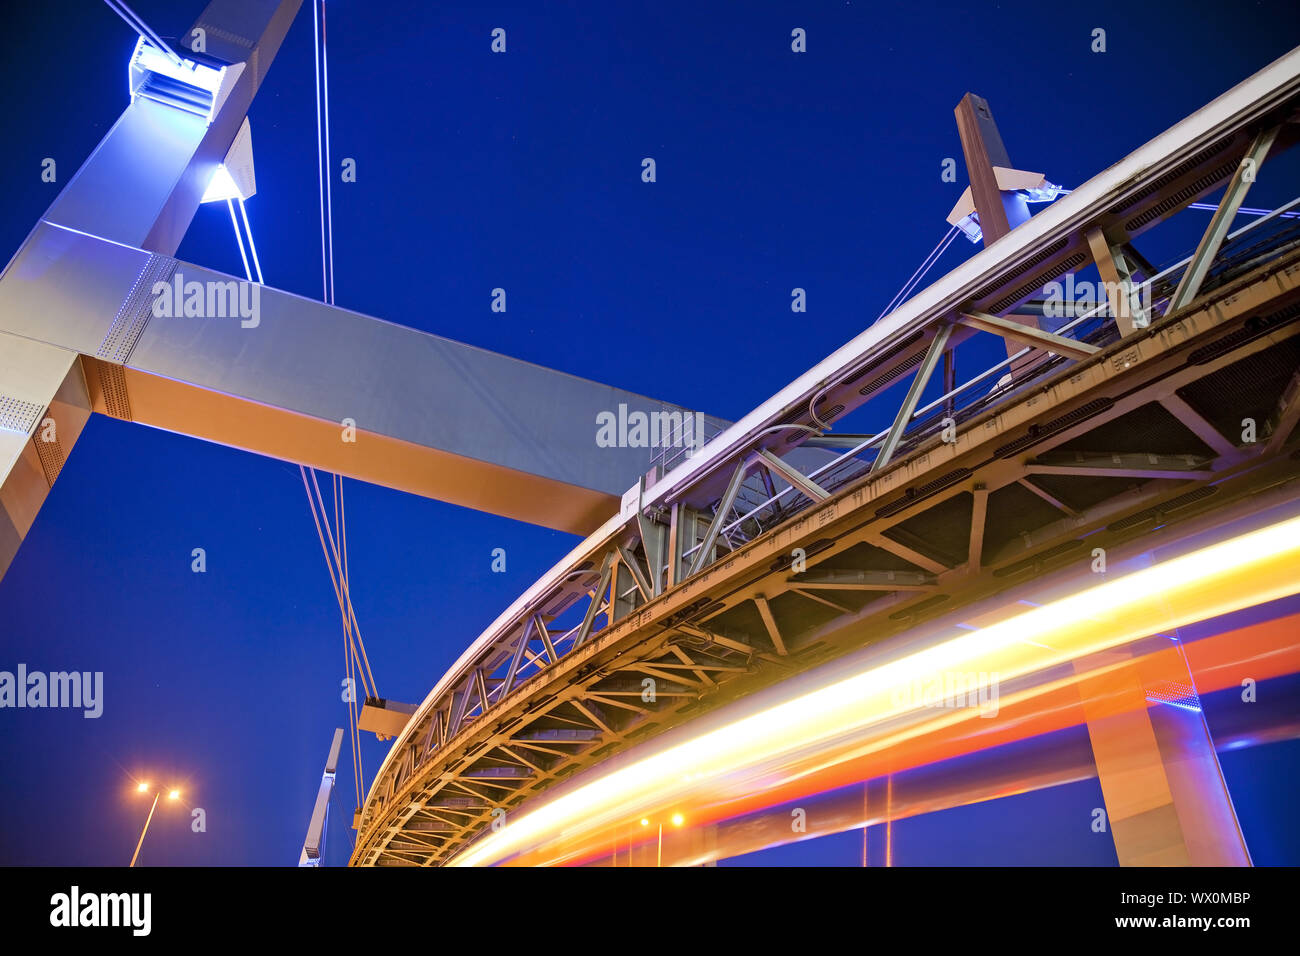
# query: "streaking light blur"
1241,572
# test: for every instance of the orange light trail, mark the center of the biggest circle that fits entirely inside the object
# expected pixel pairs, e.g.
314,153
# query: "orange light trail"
804,742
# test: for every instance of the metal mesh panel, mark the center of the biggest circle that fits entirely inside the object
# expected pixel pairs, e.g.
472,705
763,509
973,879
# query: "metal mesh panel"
17,415
134,314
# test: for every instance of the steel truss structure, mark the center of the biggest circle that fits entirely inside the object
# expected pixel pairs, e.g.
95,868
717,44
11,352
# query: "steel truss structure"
738,569
776,546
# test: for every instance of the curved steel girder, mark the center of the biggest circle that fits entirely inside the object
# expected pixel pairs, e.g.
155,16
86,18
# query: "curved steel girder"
1157,357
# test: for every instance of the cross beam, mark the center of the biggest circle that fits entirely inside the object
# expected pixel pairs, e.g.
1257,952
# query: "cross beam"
1027,335
314,384
140,187
264,370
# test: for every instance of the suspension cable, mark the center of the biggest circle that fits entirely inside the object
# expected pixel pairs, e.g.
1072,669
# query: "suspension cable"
320,157
239,239
926,264
329,190
139,26
354,665
334,565
353,737
251,246
333,547
342,587
337,544
343,525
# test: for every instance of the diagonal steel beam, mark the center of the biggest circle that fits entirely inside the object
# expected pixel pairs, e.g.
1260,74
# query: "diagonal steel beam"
141,187
273,373
798,479
919,381
1026,335
822,599
769,622
597,601
519,654
906,552
651,540
1221,221
720,515
460,703
291,377
686,659
638,576
1286,416
1118,278
1192,420
540,627
143,183
978,518
1051,499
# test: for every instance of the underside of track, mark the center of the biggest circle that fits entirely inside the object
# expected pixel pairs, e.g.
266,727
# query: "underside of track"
1131,425
1145,433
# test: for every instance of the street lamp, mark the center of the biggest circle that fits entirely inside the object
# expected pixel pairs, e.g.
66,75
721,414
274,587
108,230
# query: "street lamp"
144,788
677,820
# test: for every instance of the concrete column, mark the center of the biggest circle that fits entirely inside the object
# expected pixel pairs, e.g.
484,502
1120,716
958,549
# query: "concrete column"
1166,800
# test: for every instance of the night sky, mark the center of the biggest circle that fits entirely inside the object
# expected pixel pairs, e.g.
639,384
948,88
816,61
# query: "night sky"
522,171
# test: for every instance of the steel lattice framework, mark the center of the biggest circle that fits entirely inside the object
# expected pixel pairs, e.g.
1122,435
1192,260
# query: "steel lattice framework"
1122,420
778,545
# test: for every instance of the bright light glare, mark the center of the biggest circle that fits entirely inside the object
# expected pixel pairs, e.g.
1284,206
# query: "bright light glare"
187,71
970,226
146,59
678,819
142,788
1241,572
174,795
222,187
1044,193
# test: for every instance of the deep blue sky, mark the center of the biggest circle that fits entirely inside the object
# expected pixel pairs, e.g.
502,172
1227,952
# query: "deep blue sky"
475,171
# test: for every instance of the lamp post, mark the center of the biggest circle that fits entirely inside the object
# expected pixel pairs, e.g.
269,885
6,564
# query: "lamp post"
677,820
144,788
